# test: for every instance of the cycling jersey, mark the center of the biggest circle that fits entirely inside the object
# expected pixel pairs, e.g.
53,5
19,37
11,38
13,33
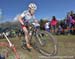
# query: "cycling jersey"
47,25
27,17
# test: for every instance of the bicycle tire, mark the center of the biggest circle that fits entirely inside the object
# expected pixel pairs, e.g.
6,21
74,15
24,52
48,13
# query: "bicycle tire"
53,40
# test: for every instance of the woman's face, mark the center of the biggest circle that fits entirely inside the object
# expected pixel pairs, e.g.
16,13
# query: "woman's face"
32,11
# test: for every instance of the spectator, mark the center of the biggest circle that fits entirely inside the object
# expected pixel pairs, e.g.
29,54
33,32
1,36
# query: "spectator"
73,22
47,27
72,14
59,30
53,24
65,27
73,18
69,23
36,24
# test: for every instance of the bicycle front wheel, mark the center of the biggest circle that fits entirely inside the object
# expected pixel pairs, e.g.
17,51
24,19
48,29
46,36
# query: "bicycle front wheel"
46,43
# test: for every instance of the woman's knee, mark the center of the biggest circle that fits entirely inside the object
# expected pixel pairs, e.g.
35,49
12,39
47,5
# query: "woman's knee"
25,30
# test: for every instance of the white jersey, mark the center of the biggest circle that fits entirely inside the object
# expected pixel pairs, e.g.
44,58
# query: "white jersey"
47,25
36,24
27,16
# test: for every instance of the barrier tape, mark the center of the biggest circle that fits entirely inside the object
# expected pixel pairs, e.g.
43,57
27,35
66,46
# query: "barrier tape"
64,29
69,29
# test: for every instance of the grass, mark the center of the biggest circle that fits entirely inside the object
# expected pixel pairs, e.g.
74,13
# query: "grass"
66,47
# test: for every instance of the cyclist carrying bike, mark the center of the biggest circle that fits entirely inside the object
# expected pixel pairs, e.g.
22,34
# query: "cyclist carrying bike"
25,18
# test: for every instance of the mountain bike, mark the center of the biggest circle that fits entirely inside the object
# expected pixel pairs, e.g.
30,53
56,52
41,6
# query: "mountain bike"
41,40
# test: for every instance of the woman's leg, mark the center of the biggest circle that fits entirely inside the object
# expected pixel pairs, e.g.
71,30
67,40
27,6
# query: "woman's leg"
26,37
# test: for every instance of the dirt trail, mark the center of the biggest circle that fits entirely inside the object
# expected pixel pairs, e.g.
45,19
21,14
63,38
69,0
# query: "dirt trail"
66,47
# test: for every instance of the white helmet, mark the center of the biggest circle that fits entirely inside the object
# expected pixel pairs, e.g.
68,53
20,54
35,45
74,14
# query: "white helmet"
32,6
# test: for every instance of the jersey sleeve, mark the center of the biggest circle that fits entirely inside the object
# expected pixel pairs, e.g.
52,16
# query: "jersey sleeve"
23,14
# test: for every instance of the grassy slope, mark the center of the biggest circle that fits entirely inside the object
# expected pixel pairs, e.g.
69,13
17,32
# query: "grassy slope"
66,47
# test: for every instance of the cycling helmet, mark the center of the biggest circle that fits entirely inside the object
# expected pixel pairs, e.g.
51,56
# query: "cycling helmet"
32,6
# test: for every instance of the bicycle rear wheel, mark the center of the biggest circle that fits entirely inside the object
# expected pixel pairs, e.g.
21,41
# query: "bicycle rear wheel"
46,43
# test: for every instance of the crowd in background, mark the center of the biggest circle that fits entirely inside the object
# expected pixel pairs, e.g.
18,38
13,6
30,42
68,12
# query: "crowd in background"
67,26
55,26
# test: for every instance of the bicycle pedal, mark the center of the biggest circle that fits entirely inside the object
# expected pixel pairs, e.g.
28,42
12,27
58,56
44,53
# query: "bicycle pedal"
23,46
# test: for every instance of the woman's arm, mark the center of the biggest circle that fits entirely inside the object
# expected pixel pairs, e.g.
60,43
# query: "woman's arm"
20,20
